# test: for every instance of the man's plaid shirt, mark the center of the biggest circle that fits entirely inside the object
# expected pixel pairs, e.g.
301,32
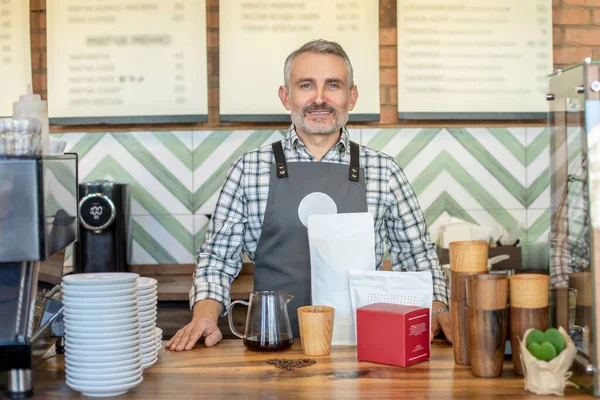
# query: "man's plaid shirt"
237,221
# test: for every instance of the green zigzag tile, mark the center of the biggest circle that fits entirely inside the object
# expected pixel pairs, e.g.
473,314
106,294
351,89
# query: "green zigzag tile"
382,138
445,162
540,226
64,175
109,167
416,145
489,162
511,143
199,237
445,202
215,181
178,149
208,146
162,174
537,146
86,143
148,243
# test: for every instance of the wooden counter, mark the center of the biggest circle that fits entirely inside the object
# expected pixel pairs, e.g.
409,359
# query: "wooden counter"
229,371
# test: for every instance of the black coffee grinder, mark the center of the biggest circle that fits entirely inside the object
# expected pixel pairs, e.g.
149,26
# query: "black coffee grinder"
104,240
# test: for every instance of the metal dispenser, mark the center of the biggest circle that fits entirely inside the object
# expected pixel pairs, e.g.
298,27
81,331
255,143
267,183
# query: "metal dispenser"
574,126
38,217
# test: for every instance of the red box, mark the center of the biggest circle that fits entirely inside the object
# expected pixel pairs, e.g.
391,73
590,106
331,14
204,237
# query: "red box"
393,334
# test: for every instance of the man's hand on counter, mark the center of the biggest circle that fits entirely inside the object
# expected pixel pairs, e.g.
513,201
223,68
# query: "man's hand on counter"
440,321
203,324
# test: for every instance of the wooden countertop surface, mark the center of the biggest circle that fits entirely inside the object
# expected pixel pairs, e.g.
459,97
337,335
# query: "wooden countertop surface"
229,371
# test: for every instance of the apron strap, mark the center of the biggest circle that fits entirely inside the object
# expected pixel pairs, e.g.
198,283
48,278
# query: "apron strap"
354,162
281,165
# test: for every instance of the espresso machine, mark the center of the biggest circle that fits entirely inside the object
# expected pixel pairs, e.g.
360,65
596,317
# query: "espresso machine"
38,217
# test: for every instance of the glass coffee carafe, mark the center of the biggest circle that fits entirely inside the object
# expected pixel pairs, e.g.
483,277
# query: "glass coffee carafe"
267,322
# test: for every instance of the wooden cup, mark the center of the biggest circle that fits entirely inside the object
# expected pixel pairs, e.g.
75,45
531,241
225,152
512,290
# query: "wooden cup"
487,292
486,332
458,283
469,256
458,320
529,290
316,329
522,319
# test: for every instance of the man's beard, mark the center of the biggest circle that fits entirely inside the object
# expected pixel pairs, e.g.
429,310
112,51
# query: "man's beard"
300,122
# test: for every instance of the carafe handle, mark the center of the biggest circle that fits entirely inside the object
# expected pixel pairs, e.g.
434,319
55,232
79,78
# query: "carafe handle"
230,317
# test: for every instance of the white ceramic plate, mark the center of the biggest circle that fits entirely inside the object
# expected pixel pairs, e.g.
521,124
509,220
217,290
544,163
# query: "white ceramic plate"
100,290
147,320
103,391
99,279
150,363
144,282
97,345
147,292
104,357
67,291
148,313
158,331
134,373
151,307
145,303
152,296
131,362
99,300
105,339
76,329
86,354
129,305
111,382
101,318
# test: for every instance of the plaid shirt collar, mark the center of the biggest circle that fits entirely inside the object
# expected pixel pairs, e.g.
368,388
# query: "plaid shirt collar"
292,141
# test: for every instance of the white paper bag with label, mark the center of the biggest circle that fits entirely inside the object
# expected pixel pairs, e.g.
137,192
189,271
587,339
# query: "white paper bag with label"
339,243
407,288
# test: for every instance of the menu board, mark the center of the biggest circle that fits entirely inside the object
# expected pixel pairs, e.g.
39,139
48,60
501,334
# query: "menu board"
475,59
127,61
15,53
256,36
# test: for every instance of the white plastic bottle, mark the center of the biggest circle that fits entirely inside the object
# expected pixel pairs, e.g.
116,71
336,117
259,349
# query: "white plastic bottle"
32,106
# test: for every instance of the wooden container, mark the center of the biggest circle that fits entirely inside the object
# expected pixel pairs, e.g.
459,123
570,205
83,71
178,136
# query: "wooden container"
458,283
529,290
522,319
316,329
486,332
458,320
487,292
468,256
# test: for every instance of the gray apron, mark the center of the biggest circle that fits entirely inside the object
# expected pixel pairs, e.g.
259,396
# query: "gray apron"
282,259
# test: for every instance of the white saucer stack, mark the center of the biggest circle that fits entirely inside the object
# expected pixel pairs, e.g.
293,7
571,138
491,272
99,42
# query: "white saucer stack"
147,297
102,333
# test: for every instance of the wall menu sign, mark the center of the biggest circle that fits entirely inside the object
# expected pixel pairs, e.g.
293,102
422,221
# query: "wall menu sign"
461,59
127,61
256,36
15,52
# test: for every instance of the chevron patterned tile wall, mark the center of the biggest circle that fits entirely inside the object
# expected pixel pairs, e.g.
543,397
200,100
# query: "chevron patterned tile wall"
490,176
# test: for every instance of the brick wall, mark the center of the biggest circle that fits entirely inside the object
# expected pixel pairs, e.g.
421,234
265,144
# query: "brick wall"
576,33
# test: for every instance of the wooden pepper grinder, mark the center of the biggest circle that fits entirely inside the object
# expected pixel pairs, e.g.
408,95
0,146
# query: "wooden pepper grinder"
467,258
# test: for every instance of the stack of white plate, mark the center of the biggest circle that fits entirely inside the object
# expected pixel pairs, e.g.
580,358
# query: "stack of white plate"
102,333
147,297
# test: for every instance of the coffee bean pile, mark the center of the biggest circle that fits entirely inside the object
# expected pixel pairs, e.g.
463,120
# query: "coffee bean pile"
290,365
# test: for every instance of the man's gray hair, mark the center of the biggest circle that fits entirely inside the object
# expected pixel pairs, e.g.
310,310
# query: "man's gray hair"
318,46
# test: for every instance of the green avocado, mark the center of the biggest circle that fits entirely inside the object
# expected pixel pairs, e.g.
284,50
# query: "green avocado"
553,336
535,336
